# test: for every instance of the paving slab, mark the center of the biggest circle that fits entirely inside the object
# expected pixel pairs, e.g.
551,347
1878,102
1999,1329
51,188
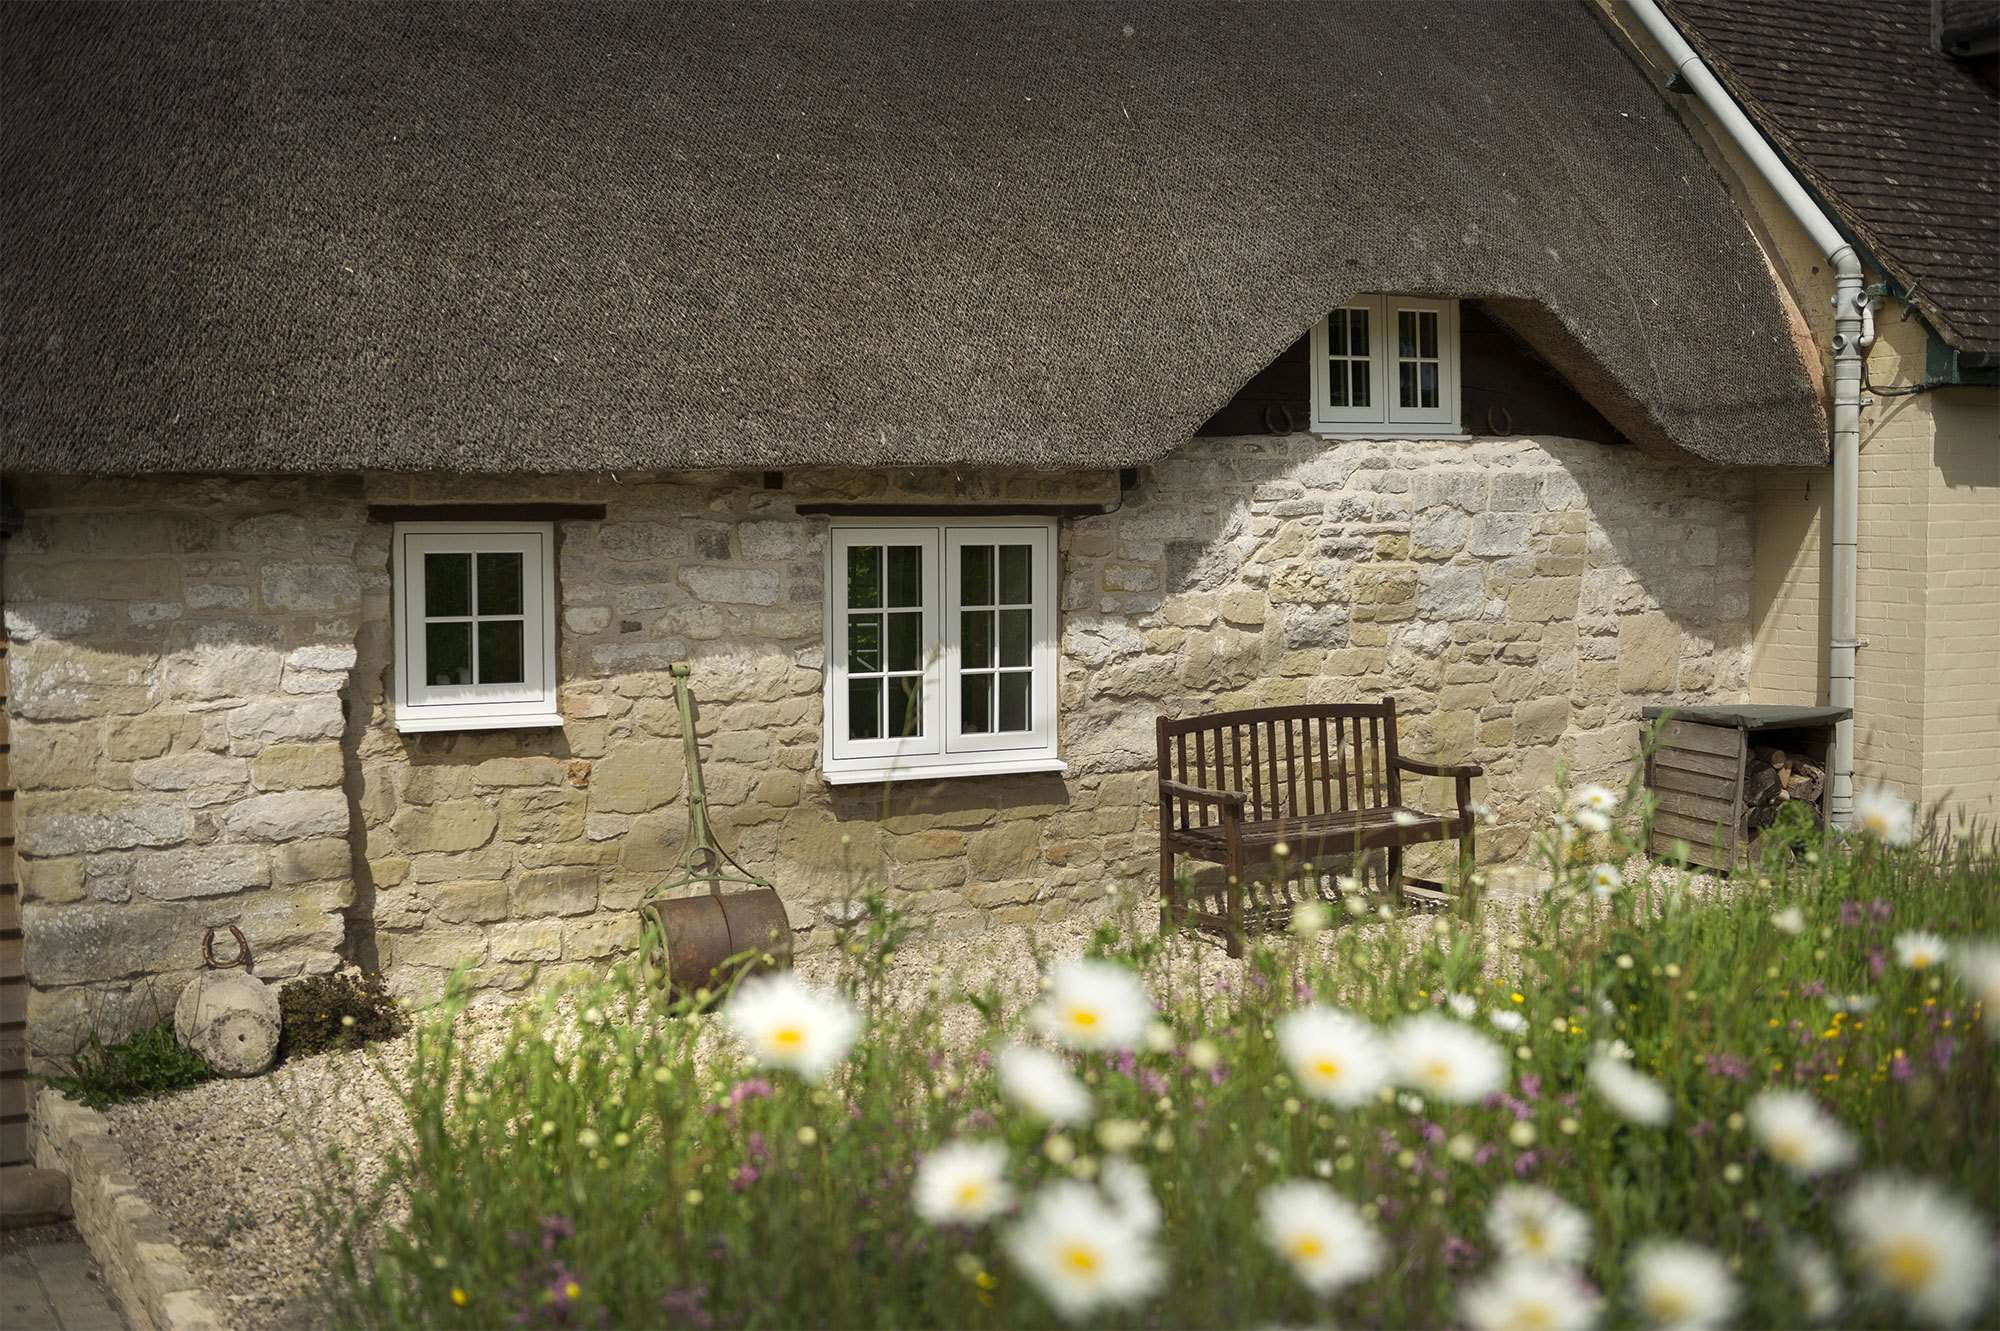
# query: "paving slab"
54,1285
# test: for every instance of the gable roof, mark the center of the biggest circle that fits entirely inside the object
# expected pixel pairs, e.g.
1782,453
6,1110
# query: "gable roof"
1898,138
514,237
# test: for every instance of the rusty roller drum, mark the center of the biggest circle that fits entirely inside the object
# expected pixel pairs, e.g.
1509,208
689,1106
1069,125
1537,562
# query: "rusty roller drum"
700,935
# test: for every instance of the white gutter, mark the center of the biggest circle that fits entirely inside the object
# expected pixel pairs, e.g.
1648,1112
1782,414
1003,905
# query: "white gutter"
1850,305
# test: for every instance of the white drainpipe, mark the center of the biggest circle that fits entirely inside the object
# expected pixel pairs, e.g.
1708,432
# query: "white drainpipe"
1850,305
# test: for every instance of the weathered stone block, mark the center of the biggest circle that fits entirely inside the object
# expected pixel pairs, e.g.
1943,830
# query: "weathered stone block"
636,777
591,940
1541,720
90,943
531,770
215,773
288,815
53,881
537,941
1006,851
729,585
311,861
470,903
296,766
1649,649
256,724
1544,599
75,822
541,815
55,756
203,871
60,681
454,825
555,892
310,587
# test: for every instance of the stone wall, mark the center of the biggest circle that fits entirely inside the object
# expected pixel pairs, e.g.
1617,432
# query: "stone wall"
204,733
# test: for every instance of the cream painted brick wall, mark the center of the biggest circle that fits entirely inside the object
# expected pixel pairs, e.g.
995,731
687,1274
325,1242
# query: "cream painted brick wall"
1962,653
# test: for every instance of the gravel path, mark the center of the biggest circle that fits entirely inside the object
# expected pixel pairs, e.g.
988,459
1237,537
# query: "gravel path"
232,1165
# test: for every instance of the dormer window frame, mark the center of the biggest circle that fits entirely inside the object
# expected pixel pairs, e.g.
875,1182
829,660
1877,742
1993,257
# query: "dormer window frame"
1388,370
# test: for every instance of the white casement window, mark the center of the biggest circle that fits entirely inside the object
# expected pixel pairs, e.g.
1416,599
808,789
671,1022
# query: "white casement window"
475,625
941,649
1387,367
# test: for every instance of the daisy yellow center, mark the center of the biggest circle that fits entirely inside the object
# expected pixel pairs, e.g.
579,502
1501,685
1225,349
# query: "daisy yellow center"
1667,1305
970,1192
1305,1248
1909,1263
1081,1258
1326,1069
1875,822
788,1037
1919,960
1437,1071
1534,1238
572,1289
1532,1317
1084,1017
1789,1147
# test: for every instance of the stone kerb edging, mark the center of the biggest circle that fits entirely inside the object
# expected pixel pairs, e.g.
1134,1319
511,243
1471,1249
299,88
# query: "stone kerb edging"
129,1239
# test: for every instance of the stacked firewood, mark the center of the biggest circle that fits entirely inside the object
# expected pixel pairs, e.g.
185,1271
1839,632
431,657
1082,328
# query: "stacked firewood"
1775,778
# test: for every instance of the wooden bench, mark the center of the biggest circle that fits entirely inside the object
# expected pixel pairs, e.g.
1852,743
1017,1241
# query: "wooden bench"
1322,780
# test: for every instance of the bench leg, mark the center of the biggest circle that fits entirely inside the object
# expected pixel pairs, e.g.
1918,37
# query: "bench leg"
1169,893
1395,873
1235,910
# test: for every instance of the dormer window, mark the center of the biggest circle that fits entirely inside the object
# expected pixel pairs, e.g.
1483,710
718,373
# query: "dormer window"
1386,367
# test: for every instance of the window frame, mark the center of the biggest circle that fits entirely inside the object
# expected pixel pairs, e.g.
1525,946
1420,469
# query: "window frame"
423,707
944,750
1385,417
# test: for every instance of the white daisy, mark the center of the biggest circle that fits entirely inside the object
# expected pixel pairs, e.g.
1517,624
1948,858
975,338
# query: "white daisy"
1799,1134
1527,1296
1093,1005
1978,964
1081,1253
1463,1006
1309,918
1885,815
1132,1194
786,1023
1333,1055
1321,1234
1913,1239
1855,1004
1041,1083
1592,806
1535,1225
1605,880
1403,818
1791,920
1636,1097
1682,1285
1508,1020
1818,1280
1918,950
1446,1060
963,1183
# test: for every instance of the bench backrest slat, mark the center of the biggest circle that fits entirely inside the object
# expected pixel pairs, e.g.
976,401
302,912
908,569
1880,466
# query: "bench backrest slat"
1289,761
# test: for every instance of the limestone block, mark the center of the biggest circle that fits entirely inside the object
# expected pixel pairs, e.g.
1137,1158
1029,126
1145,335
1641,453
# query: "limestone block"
1495,534
433,783
530,770
288,815
322,657
231,1020
310,587
731,585
91,942
454,825
637,776
53,881
1544,599
55,756
202,871
74,822
208,778
562,891
541,940
216,596
256,724
590,940
447,946
59,681
296,766
542,815
1649,650
470,903
640,540
1541,720
587,619
150,735
783,538
650,654
1005,852
312,861
1452,592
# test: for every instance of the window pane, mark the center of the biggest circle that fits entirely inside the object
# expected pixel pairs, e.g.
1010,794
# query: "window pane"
1357,333
1336,385
1015,632
864,576
906,641
1427,326
975,575
447,584
1406,333
864,709
1014,701
975,648
975,706
500,656
1406,383
864,643
1336,334
448,652
1015,584
500,584
1428,379
1359,369
906,705
906,575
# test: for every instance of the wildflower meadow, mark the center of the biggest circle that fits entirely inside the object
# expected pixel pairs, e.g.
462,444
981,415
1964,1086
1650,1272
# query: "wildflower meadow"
1620,1102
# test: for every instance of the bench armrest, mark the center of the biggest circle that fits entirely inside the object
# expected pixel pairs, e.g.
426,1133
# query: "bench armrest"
1228,800
1439,769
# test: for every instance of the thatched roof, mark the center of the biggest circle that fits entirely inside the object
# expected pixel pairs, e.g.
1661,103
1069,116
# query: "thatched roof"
528,237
